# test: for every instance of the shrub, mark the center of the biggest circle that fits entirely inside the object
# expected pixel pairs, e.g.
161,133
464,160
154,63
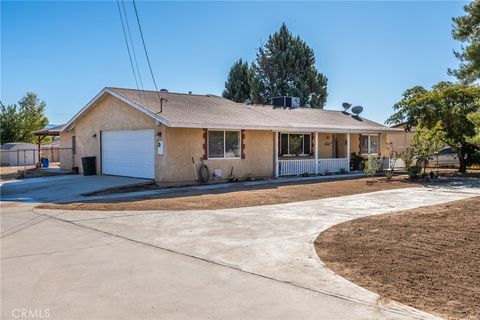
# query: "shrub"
372,165
356,162
342,171
413,172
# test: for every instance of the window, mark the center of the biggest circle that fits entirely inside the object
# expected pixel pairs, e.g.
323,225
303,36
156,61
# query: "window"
374,144
223,144
364,144
295,144
369,141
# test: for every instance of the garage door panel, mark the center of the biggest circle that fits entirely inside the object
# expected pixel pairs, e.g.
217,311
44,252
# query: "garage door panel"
129,153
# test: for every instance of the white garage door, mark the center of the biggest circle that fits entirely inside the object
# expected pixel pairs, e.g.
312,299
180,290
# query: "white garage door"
128,153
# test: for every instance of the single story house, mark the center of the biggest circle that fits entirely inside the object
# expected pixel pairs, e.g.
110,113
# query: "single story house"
403,139
18,154
155,135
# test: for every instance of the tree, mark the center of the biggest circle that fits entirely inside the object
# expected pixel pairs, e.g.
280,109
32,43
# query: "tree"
285,66
18,122
467,30
9,123
448,103
474,117
428,142
237,86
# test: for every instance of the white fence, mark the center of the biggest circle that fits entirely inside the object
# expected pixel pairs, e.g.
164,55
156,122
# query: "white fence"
298,167
388,163
295,167
333,165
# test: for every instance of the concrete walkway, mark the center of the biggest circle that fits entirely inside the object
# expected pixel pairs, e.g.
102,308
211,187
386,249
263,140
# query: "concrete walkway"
245,263
56,189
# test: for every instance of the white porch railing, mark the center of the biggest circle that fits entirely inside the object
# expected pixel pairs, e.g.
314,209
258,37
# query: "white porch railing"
333,165
290,167
295,167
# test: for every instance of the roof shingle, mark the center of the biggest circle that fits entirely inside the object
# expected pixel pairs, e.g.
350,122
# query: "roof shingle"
210,111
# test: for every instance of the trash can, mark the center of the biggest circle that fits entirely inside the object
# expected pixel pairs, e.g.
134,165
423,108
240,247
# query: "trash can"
89,166
44,162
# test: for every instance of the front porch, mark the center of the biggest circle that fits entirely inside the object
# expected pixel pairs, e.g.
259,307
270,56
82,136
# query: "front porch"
298,153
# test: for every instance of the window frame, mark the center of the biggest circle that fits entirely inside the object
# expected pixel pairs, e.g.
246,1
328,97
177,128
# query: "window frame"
288,154
369,144
224,145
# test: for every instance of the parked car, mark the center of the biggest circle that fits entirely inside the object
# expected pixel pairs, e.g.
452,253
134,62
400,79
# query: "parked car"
447,157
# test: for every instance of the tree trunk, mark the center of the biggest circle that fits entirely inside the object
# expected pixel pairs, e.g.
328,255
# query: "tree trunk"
461,159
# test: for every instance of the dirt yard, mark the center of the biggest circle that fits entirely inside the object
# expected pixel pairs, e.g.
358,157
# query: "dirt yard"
428,258
243,196
17,172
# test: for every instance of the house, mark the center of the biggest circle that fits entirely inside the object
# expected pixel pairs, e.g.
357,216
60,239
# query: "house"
155,135
403,139
18,154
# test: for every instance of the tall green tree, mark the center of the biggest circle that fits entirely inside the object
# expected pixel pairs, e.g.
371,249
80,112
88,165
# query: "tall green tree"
474,117
9,123
237,86
18,122
285,65
466,29
447,103
428,142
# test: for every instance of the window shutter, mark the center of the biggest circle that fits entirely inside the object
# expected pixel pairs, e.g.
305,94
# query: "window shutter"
280,151
312,143
360,144
379,151
242,144
205,144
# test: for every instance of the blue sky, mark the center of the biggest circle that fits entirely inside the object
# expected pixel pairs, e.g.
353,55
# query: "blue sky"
370,51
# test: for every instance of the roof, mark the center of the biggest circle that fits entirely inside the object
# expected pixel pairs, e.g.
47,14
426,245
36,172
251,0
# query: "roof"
14,145
214,112
50,129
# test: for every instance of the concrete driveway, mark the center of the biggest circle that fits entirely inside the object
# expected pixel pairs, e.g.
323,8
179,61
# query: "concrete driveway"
61,188
244,263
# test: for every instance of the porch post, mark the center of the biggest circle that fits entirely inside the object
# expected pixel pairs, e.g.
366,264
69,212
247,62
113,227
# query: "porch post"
315,145
276,153
348,152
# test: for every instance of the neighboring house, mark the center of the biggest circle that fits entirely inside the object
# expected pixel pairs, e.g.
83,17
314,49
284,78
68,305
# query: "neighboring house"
19,154
155,135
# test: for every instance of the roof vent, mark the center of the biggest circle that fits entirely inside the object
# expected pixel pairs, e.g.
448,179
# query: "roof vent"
163,90
286,102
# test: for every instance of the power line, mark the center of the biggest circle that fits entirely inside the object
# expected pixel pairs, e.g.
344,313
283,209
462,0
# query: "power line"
133,47
146,53
126,42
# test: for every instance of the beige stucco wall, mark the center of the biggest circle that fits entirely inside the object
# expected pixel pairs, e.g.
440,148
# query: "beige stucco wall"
355,143
183,143
400,140
108,113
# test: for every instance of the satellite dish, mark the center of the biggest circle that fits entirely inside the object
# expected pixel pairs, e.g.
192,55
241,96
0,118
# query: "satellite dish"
346,105
357,110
